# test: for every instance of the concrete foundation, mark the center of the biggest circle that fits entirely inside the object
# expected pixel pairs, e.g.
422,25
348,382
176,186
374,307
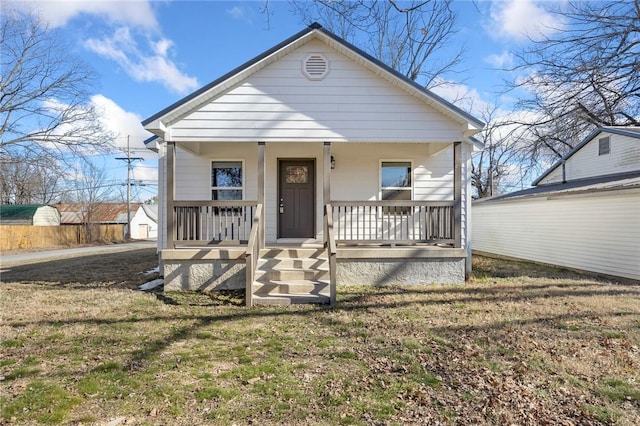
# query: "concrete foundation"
396,271
201,270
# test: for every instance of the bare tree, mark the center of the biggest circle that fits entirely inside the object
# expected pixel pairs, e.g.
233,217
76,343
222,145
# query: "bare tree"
91,189
411,37
584,75
45,106
493,168
27,180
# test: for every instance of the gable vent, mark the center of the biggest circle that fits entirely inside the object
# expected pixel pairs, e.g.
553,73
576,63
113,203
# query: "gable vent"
315,67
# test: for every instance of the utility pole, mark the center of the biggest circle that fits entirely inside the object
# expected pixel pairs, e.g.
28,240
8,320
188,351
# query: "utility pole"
129,159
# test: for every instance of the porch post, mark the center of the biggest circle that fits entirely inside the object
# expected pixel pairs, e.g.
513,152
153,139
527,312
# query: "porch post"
261,168
326,174
457,194
170,216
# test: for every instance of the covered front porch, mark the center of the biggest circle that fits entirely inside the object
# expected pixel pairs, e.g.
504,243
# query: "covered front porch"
224,244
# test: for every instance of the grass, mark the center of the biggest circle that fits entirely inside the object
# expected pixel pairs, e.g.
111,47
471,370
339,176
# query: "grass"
519,344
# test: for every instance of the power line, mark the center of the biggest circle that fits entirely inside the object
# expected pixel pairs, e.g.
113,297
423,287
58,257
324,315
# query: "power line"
129,159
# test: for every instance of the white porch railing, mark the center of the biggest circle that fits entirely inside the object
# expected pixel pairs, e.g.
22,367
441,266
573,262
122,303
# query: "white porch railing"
210,222
394,222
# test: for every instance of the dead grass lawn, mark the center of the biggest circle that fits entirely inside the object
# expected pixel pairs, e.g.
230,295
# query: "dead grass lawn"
520,344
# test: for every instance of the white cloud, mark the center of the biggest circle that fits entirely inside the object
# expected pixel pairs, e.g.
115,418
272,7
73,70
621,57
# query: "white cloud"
501,61
462,96
122,124
58,13
240,13
523,19
123,48
145,172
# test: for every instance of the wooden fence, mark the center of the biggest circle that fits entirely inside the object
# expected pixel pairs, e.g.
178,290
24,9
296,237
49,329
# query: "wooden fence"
28,237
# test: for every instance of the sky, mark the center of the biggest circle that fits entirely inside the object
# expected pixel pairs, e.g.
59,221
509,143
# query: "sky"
149,54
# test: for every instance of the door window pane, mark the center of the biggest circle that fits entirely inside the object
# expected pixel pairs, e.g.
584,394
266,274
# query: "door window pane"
297,174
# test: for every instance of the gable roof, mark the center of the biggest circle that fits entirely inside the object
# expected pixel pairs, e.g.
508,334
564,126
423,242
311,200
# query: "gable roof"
315,31
630,131
19,211
612,182
151,210
101,213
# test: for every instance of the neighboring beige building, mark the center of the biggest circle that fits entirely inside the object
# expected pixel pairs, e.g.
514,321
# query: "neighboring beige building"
29,214
582,213
312,124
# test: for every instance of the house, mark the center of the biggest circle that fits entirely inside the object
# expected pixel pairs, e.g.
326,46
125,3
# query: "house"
144,224
310,165
97,213
582,213
29,214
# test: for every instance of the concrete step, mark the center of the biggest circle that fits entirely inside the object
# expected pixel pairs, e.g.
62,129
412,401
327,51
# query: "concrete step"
295,287
291,274
292,263
292,253
289,299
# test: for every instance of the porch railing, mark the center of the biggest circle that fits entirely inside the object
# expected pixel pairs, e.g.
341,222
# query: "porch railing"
394,222
253,253
210,222
332,250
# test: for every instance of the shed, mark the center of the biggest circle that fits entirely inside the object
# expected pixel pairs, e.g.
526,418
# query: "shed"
29,214
144,224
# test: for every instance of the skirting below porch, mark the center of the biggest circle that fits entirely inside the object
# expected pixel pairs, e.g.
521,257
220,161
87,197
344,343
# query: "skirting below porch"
207,269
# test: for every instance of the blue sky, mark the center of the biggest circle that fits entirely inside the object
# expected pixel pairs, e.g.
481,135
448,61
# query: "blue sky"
148,54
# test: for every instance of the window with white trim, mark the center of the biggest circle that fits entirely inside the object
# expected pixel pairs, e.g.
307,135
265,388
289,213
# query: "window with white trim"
227,180
396,183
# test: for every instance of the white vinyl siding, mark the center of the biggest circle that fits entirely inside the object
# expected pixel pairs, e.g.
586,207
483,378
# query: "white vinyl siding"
278,103
599,232
624,156
356,176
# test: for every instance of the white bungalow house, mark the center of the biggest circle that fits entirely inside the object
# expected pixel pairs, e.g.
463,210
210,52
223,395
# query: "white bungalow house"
582,213
310,165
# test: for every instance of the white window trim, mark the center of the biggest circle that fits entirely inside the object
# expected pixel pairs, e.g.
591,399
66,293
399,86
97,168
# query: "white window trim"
244,176
395,160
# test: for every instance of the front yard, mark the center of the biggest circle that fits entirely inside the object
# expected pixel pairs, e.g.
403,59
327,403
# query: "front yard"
520,344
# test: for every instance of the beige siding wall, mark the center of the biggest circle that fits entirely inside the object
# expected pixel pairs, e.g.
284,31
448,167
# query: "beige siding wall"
46,216
599,232
356,176
624,157
278,104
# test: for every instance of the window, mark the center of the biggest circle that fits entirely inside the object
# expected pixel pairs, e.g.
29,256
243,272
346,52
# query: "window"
226,180
604,146
395,181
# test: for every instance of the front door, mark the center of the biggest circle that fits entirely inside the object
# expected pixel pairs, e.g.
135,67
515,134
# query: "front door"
296,198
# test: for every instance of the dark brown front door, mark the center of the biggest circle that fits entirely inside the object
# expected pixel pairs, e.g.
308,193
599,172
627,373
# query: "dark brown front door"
296,200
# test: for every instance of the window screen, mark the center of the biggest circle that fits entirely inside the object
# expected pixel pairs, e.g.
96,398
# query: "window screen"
604,146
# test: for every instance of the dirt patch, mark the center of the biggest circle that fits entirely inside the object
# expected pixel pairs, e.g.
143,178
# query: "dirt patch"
113,270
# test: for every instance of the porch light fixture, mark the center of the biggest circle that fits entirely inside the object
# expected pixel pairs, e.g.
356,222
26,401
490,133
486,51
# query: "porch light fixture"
333,162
